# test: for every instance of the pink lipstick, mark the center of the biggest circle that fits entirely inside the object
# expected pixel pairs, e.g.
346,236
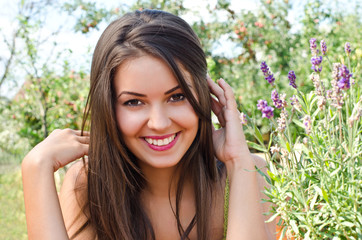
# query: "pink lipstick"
161,143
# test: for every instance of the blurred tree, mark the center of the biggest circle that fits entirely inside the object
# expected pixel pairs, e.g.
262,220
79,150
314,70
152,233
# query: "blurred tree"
50,102
52,95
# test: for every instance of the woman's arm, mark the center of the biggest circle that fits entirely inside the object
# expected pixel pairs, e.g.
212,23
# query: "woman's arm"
261,164
246,196
43,213
245,218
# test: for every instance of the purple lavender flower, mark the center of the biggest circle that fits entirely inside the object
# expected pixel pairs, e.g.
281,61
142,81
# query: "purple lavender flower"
292,77
343,83
264,68
267,74
243,119
323,47
313,46
347,48
337,98
344,77
316,61
282,121
295,103
262,104
307,124
276,100
267,111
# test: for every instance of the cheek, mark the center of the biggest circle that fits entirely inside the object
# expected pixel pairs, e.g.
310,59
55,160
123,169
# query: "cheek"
187,118
129,123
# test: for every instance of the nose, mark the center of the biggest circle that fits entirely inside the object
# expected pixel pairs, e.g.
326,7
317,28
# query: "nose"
159,118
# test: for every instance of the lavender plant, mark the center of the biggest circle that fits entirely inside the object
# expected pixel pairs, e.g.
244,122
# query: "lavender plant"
315,151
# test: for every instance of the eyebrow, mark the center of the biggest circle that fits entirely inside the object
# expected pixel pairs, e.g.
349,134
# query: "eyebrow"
143,95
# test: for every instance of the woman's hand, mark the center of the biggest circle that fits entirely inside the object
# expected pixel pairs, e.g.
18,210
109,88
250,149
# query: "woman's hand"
59,148
245,218
229,140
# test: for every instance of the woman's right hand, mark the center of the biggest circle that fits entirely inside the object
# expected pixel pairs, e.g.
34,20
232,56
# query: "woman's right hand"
59,148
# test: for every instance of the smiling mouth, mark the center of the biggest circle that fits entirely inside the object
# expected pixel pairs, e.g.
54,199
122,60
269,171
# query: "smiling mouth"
160,142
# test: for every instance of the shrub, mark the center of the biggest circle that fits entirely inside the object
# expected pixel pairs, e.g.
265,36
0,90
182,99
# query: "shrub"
314,152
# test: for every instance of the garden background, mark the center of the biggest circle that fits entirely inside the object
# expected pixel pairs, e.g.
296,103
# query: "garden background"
46,47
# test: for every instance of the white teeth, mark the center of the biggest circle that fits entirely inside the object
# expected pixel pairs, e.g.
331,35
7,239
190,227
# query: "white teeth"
160,142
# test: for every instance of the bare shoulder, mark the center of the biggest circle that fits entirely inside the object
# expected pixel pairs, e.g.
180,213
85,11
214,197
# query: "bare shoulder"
75,174
72,198
260,163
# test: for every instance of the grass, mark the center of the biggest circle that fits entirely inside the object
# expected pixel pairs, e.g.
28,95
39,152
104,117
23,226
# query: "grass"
12,211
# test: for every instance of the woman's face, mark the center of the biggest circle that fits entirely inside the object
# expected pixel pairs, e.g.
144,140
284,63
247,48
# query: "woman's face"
157,122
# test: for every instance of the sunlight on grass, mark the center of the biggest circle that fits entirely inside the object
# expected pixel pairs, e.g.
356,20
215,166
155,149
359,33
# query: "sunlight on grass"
12,213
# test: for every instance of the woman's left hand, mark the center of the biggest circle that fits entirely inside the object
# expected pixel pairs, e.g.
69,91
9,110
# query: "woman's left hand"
229,140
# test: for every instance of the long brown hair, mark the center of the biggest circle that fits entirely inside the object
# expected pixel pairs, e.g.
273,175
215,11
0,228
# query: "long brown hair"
114,179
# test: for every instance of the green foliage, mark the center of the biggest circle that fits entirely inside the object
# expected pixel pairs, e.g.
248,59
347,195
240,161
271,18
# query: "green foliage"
90,14
173,6
50,102
315,176
12,145
12,212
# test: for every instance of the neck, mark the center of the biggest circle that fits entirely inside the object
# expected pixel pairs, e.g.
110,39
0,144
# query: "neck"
161,183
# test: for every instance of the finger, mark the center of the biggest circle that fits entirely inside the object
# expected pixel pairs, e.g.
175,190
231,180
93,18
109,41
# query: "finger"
80,133
86,133
85,148
228,93
217,108
83,139
217,91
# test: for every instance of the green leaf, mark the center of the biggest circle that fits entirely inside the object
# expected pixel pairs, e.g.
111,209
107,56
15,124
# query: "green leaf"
258,135
298,123
288,146
264,175
348,224
270,141
256,146
312,100
283,233
275,178
294,226
313,201
313,179
272,218
325,195
315,113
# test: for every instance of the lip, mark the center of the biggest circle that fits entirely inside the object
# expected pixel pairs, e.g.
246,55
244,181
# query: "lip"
165,147
160,137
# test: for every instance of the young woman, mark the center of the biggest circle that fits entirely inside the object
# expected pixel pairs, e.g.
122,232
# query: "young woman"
156,167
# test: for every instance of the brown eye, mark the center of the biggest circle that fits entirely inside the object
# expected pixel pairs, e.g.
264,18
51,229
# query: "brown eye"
177,97
133,103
